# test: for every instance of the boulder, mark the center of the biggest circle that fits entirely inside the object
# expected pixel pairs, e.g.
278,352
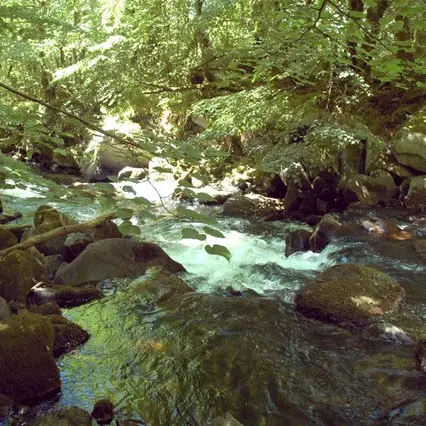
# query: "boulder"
52,263
409,143
163,286
415,200
420,248
46,219
19,272
68,335
7,239
75,244
297,241
5,311
106,229
349,293
27,367
269,185
48,308
69,416
115,258
65,159
65,296
369,190
326,230
103,412
132,173
251,205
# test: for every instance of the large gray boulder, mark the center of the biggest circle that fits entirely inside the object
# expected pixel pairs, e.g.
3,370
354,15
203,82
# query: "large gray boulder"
409,143
416,198
115,258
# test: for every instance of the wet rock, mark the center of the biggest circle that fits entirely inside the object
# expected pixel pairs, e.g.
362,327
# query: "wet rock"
53,263
369,190
115,258
420,248
27,367
48,308
389,333
75,244
132,173
5,310
5,406
65,296
409,144
226,420
7,239
420,356
416,197
19,272
297,241
69,416
163,286
46,219
103,412
326,229
68,335
349,293
106,229
251,205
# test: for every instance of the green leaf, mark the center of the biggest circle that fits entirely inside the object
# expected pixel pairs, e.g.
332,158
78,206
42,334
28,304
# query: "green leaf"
141,201
185,183
193,234
213,232
146,214
163,169
218,250
128,188
195,216
113,178
128,228
124,213
106,187
203,196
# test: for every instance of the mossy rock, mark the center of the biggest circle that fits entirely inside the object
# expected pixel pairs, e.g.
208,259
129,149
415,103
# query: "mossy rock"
28,370
68,335
69,416
47,218
7,239
19,272
64,296
350,293
163,286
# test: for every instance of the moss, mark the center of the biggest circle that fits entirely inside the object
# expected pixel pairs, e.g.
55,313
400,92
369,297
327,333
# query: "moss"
69,416
7,239
350,293
19,272
27,366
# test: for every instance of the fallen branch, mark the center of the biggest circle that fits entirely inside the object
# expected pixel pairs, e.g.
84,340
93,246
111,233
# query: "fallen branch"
59,232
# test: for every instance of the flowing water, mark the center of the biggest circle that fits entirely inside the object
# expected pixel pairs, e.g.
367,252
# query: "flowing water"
251,355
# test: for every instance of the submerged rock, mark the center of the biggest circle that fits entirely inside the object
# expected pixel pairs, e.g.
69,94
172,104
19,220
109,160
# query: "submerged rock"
251,205
349,293
162,286
27,367
69,416
68,335
115,258
64,296
297,241
19,272
103,412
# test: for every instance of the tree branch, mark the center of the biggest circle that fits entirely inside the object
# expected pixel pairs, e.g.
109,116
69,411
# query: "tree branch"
59,232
